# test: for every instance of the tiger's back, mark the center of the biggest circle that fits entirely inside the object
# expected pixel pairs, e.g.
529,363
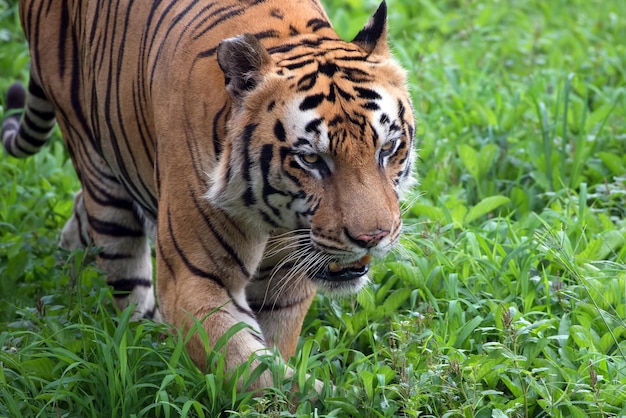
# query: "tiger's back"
224,123
101,64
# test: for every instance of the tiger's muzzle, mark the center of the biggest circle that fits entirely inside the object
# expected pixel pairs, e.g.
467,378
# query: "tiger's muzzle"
337,272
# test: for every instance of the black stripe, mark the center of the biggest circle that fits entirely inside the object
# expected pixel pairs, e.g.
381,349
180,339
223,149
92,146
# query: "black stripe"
300,64
266,218
311,211
112,229
296,57
96,24
375,137
279,131
223,18
34,89
15,148
164,259
149,314
31,140
355,75
182,14
217,139
370,106
277,13
132,183
77,110
114,256
313,43
84,241
366,93
65,27
328,69
317,24
33,126
208,53
307,82
267,155
284,152
128,284
259,35
32,34
240,308
93,164
344,94
196,271
248,197
401,110
271,33
256,336
335,121
273,306
142,122
311,102
42,114
104,198
219,236
156,36
313,126
358,119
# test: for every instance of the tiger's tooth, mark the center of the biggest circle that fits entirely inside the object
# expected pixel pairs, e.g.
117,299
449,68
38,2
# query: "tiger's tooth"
334,267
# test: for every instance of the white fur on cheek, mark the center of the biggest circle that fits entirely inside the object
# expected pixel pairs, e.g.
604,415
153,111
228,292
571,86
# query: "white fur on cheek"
388,105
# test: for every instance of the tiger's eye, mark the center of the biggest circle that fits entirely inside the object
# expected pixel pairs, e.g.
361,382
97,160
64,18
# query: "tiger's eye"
388,146
311,158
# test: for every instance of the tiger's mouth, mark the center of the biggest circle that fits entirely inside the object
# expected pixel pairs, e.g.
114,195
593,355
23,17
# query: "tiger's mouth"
345,272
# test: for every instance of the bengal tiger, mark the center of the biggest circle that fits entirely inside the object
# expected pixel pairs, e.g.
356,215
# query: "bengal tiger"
268,154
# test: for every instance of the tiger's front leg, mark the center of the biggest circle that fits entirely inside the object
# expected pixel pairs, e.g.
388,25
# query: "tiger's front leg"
204,263
280,298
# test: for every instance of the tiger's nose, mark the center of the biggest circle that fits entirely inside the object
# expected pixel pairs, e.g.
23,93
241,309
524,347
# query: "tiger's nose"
368,240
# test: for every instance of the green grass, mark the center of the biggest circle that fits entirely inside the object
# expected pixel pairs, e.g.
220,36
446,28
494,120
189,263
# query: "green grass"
507,299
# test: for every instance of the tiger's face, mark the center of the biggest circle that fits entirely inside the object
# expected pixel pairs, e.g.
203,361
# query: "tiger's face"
321,144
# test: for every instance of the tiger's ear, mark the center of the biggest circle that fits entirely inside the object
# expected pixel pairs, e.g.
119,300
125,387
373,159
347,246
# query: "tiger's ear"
373,37
243,60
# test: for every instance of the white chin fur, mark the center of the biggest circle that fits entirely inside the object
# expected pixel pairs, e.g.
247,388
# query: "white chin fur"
339,288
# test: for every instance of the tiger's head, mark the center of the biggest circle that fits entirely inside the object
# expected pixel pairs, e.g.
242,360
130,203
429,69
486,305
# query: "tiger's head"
320,142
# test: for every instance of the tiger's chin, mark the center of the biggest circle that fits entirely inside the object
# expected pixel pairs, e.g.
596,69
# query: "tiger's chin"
343,278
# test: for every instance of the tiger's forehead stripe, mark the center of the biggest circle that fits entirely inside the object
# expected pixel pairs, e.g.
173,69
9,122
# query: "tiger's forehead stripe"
388,117
309,130
323,127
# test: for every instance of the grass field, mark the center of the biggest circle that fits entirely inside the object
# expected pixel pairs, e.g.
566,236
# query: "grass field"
507,298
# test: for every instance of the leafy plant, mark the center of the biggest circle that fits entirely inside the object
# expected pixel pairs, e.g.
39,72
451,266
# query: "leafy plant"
507,297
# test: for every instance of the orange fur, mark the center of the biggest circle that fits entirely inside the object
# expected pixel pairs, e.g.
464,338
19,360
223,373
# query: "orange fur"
225,124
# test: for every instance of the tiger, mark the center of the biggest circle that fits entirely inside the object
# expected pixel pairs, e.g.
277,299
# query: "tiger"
262,156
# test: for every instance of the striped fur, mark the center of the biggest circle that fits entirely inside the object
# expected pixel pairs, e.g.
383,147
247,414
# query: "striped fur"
268,153
26,138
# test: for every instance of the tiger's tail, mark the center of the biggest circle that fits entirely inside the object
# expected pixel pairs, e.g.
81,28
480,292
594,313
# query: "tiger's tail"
25,132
